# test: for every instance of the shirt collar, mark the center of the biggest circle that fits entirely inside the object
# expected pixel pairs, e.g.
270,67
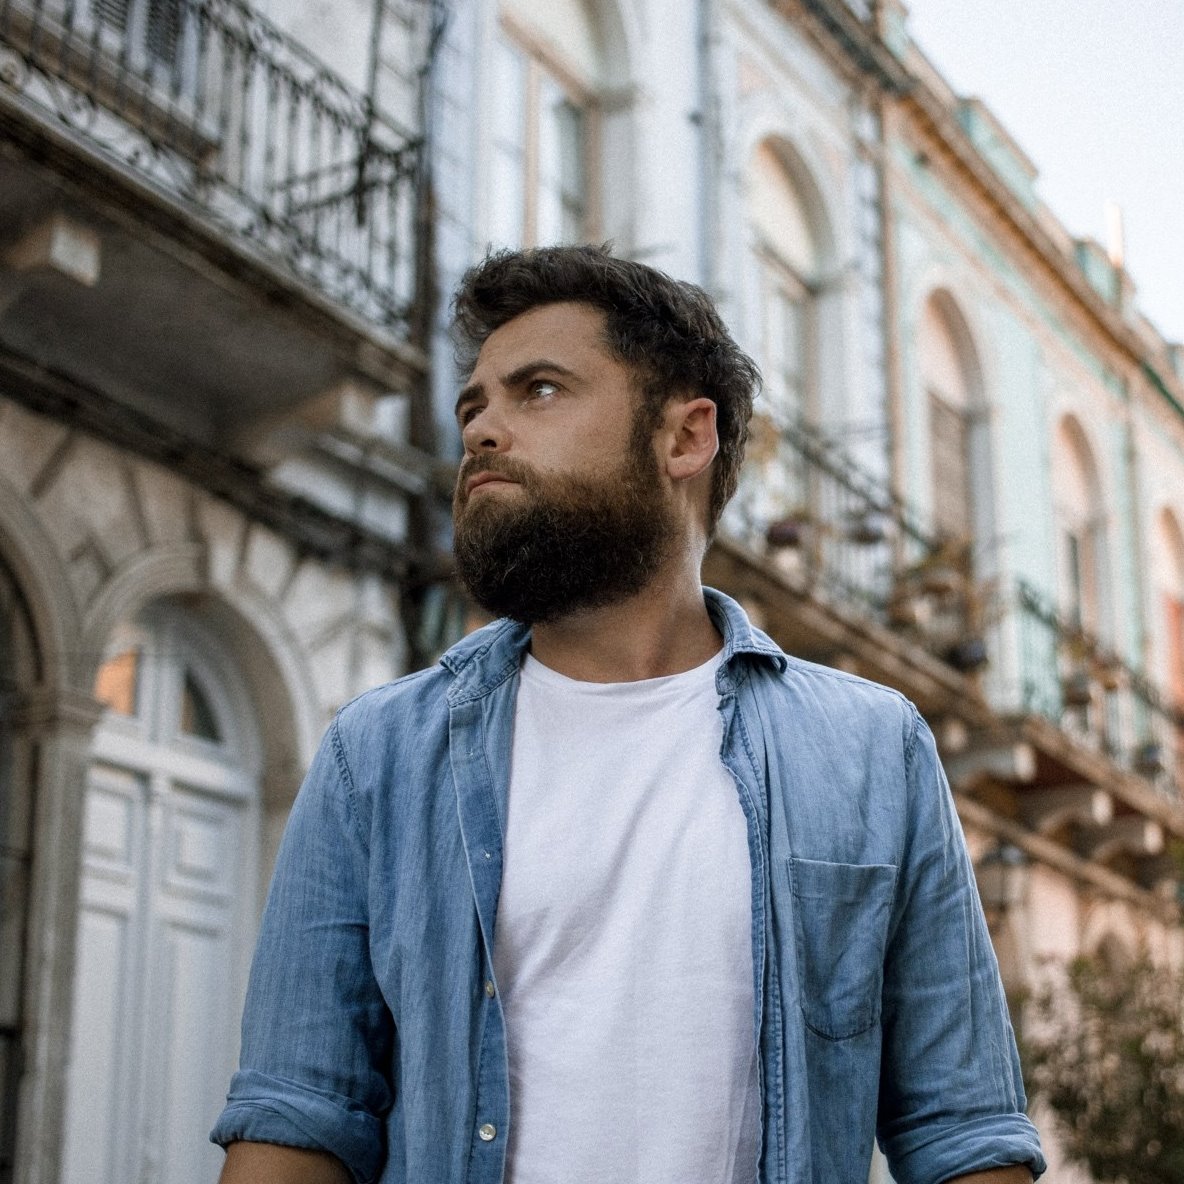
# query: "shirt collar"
485,657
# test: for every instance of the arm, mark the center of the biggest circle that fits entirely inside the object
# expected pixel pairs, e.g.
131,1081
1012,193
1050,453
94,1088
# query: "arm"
951,1096
317,1035
268,1163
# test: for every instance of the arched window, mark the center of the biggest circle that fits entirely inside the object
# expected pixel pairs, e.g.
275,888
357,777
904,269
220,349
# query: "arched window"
166,906
1080,525
1168,566
947,376
787,265
1169,573
548,68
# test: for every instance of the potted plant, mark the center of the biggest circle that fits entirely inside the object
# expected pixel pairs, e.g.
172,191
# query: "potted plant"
942,572
1108,669
788,531
1148,758
1077,688
867,526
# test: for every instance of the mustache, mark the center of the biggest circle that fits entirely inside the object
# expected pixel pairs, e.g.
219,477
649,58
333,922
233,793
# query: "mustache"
504,466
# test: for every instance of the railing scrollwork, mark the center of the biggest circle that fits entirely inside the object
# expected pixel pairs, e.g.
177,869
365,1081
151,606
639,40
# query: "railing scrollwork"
217,107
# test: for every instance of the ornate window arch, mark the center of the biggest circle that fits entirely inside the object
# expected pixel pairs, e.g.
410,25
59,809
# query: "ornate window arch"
959,469
1080,517
788,250
1168,578
1168,566
550,65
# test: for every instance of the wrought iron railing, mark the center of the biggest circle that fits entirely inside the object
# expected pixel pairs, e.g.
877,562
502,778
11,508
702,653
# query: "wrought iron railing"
842,536
212,104
837,529
1069,676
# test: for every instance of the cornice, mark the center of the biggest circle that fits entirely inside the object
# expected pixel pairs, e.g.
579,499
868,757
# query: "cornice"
862,50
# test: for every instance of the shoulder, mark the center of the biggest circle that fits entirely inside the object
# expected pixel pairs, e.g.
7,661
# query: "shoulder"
392,725
390,701
812,689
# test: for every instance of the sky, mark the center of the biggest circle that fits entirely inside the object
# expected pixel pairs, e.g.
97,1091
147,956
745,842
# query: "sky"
1093,92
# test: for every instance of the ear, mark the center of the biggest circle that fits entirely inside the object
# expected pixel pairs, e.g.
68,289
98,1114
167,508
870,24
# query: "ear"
690,438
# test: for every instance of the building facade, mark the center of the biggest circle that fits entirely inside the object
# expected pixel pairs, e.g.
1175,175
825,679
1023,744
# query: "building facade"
966,467
216,490
227,236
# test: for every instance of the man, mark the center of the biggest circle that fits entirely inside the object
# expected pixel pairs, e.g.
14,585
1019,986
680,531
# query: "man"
618,893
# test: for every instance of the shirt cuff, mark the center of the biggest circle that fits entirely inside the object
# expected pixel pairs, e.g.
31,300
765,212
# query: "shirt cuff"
265,1109
996,1142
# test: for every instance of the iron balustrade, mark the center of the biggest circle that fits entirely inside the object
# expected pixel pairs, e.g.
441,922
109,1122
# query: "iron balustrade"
836,529
210,103
1070,677
840,535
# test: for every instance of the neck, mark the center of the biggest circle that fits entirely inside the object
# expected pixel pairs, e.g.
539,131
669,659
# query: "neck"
663,629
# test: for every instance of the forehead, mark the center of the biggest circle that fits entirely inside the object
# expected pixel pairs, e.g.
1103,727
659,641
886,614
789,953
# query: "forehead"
571,333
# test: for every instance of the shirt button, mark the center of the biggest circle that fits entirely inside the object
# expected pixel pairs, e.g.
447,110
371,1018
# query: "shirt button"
489,988
487,1132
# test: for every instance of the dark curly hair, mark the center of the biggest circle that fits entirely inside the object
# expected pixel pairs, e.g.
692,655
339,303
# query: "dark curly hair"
666,330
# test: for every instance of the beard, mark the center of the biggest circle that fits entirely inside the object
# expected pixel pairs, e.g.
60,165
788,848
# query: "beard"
561,545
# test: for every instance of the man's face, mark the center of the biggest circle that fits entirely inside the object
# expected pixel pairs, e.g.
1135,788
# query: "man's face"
560,505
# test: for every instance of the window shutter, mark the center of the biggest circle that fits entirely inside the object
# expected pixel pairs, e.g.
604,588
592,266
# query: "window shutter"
951,469
111,12
1174,612
164,30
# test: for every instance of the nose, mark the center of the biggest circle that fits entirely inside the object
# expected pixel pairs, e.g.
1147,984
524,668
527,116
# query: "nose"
486,431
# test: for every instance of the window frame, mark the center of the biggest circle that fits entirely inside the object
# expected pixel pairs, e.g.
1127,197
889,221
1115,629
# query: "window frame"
775,273
544,60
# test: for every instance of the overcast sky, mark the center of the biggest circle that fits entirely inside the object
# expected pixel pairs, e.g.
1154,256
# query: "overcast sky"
1093,91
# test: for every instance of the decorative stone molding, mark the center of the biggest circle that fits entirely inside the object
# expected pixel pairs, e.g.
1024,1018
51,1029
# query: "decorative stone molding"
1132,835
1014,762
1047,810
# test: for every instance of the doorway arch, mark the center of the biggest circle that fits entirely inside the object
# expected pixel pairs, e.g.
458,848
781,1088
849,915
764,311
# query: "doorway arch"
169,858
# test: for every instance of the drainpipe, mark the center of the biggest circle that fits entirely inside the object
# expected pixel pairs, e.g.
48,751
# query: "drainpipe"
893,378
708,141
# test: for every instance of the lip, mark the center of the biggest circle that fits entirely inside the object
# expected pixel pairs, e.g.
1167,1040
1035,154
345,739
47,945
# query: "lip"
487,478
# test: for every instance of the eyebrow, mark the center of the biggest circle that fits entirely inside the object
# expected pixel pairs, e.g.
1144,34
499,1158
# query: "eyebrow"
516,377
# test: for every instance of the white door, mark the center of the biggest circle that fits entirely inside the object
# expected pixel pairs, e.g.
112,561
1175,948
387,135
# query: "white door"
163,918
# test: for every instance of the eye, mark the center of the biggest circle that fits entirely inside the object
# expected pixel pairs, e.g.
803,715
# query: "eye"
542,388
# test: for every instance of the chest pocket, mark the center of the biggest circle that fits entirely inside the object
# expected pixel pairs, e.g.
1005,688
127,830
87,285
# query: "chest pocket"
841,913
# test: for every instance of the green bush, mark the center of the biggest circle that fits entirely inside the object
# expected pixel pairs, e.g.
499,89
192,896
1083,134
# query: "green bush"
1103,1048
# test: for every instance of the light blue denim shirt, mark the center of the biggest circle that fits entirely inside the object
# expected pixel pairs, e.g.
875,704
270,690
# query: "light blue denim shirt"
373,1028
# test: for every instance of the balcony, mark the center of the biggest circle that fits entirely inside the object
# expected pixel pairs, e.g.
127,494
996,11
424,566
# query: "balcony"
1106,705
845,574
188,186
1050,740
214,106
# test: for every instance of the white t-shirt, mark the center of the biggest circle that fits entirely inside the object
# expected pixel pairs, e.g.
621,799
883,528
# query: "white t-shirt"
623,946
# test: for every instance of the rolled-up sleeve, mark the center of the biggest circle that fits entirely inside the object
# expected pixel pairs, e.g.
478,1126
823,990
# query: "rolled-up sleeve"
951,1096
317,1035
